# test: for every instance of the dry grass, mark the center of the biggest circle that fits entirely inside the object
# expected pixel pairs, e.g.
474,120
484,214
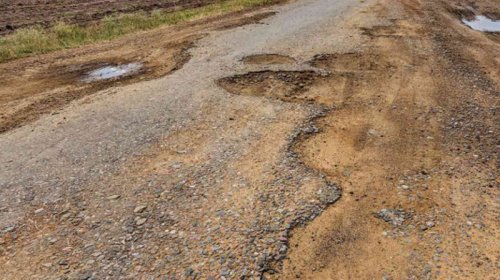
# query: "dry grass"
37,40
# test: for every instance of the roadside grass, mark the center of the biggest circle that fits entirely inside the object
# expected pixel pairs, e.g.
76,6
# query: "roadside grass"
38,40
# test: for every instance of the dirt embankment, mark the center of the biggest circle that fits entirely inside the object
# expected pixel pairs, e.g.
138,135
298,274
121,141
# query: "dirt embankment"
23,13
35,86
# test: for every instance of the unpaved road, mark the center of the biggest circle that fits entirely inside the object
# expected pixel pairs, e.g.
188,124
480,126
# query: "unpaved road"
364,147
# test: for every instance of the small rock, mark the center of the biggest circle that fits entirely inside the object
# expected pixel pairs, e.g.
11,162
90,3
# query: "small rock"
66,216
225,272
189,271
39,211
47,265
9,229
428,225
140,209
113,197
140,221
396,217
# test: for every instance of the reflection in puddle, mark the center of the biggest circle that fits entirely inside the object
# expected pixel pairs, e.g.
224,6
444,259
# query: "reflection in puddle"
482,23
112,71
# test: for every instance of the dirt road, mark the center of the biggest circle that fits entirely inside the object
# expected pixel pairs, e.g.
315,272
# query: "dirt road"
331,140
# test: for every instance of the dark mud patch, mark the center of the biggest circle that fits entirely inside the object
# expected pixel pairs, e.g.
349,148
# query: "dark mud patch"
266,59
330,88
288,86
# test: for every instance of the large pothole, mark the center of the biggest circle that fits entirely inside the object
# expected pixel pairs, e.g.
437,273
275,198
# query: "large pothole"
289,86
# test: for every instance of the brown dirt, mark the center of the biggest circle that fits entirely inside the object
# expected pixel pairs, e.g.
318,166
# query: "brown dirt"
44,84
267,59
289,86
401,138
22,13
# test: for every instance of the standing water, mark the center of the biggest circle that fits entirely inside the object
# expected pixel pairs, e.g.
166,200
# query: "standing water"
482,23
112,71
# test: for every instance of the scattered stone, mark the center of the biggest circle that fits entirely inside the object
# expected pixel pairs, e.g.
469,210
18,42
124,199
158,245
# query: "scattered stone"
225,272
140,209
189,271
52,240
9,229
113,197
66,216
39,211
140,221
329,194
396,217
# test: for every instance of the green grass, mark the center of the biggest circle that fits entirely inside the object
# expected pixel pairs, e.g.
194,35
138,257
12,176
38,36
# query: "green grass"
37,40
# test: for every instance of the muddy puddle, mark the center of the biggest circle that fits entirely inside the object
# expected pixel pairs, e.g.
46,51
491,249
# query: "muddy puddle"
482,23
108,72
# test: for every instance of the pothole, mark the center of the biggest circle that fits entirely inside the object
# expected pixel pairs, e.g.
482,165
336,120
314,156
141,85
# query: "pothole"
482,23
289,86
261,59
109,72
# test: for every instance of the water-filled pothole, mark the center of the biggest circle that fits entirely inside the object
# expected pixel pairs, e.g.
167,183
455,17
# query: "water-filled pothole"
482,23
108,72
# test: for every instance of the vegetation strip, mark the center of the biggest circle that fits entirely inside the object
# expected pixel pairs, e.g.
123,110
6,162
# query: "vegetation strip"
38,40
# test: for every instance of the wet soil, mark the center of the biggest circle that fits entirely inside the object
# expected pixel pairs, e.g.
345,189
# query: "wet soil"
268,59
289,86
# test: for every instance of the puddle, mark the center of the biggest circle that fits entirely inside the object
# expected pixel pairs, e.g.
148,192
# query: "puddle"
482,23
112,72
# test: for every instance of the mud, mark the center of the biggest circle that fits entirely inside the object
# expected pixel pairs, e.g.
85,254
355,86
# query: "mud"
311,87
268,59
